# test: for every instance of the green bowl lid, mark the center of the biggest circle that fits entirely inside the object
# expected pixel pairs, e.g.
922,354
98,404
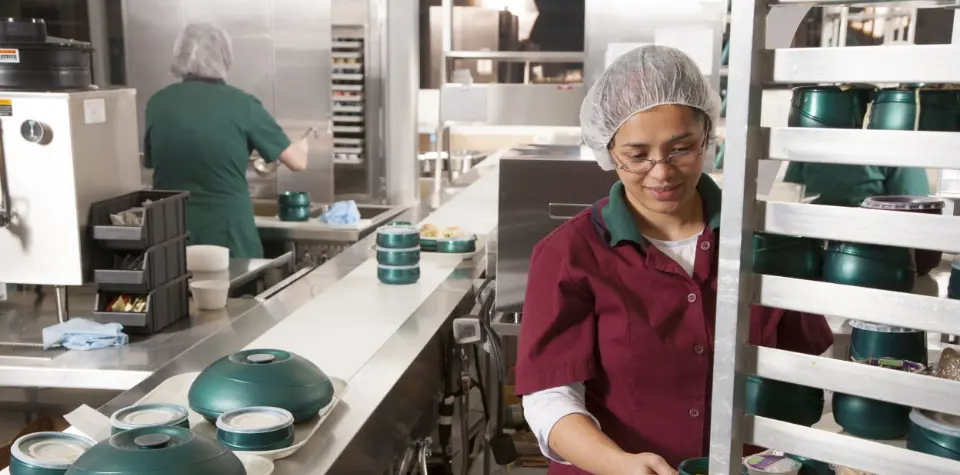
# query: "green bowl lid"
386,249
255,420
50,450
903,203
946,424
397,229
157,450
464,238
876,327
148,415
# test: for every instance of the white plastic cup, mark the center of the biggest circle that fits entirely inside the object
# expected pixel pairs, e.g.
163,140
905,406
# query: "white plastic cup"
206,258
210,294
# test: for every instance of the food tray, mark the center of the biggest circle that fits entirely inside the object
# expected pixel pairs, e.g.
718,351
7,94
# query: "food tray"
176,389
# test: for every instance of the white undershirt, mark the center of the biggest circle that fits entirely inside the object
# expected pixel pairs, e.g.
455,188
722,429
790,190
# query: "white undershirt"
543,409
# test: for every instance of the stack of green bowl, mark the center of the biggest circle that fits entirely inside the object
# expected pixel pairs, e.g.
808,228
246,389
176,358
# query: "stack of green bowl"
870,340
293,206
870,418
832,107
934,433
398,254
896,109
783,401
787,256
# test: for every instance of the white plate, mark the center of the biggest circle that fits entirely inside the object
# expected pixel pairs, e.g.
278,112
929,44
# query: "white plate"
176,389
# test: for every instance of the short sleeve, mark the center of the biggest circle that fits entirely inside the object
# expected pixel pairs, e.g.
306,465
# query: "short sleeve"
558,332
907,181
794,173
804,333
264,134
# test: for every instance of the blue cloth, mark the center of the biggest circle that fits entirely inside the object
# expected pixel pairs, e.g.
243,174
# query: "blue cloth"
82,334
342,212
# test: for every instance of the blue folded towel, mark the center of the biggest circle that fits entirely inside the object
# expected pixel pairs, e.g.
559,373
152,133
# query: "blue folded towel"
82,334
342,212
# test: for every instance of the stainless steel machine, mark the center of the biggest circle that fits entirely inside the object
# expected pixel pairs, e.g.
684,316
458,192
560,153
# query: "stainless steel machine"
541,186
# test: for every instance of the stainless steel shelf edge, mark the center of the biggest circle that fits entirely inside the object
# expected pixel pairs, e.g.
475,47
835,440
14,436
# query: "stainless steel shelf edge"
865,147
874,457
890,228
520,56
853,378
888,308
867,64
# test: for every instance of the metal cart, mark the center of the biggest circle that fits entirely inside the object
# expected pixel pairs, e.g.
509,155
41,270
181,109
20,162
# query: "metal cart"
751,68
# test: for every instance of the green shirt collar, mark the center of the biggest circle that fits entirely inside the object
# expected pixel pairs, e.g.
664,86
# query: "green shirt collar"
622,227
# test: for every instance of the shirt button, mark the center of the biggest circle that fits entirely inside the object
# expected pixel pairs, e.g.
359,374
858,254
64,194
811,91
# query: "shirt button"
698,349
694,413
692,298
705,246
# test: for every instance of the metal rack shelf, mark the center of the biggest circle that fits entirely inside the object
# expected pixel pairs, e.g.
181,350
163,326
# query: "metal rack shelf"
752,69
348,100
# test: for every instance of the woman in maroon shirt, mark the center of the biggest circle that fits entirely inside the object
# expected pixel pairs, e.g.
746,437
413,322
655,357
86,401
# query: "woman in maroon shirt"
616,342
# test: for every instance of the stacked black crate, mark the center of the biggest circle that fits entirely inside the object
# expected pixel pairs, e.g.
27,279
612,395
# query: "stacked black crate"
139,260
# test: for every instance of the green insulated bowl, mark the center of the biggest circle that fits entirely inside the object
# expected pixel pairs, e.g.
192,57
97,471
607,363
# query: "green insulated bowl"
927,260
869,265
256,429
250,378
294,198
828,107
149,415
428,244
158,451
398,275
46,453
870,418
869,340
896,109
457,245
697,466
782,401
934,433
294,213
398,237
786,256
398,257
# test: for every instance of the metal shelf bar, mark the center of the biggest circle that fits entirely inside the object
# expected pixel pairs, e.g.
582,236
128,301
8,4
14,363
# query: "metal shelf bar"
865,147
887,308
520,56
867,64
837,223
847,377
873,457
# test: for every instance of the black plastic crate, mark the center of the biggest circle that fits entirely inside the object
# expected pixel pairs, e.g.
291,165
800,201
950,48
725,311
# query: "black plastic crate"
166,305
157,266
164,218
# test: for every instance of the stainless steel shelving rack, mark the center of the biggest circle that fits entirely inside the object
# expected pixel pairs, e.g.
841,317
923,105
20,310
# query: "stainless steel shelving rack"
349,134
751,69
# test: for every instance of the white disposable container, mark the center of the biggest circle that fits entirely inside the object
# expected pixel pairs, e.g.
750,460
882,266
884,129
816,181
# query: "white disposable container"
205,258
210,294
763,464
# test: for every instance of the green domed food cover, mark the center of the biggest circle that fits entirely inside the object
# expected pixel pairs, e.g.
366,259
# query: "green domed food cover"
265,377
158,451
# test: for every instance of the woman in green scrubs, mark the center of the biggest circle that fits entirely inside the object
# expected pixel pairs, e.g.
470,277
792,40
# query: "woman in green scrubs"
849,185
200,133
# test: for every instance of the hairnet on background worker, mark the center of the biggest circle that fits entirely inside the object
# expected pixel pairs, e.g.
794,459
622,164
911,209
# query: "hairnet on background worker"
200,133
202,50
640,80
614,359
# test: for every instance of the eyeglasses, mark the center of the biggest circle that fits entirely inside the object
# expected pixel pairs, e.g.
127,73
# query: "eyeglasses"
676,158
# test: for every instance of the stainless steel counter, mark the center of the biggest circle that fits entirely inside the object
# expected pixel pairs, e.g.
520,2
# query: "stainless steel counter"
23,318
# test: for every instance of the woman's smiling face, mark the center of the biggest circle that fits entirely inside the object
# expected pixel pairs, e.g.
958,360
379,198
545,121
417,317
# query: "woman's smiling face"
660,153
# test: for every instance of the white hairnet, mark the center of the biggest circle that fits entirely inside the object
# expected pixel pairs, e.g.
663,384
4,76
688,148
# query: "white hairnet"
202,50
639,80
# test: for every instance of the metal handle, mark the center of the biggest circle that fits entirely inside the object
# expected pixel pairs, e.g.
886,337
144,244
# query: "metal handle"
565,211
424,453
5,201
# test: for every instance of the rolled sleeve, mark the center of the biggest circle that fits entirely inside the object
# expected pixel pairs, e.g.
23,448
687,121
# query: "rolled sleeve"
558,332
543,409
804,333
264,134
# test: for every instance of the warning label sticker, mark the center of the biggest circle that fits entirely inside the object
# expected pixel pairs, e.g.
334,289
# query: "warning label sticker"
6,108
9,55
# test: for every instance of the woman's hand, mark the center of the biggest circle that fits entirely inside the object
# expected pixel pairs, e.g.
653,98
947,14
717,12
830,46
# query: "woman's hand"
645,464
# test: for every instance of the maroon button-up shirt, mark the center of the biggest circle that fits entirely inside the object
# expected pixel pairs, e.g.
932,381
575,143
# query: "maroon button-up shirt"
630,323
